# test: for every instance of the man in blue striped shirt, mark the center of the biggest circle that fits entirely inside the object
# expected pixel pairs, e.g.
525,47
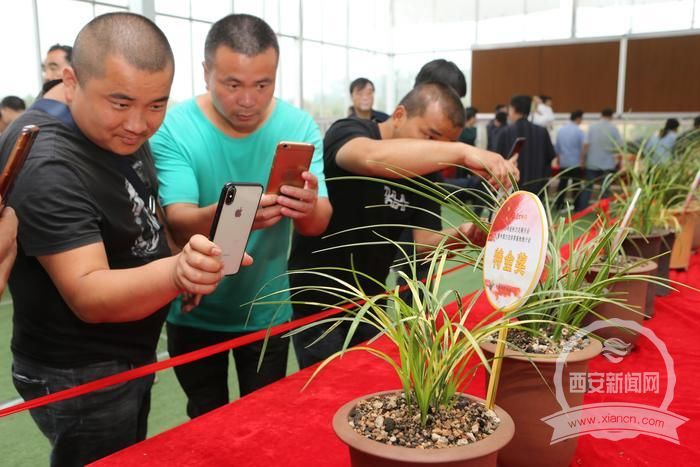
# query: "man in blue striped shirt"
570,148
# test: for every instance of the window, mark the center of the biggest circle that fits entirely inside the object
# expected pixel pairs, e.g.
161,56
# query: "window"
406,68
600,18
289,17
335,79
271,13
179,34
252,7
334,22
501,22
547,19
23,77
312,19
384,40
373,66
661,15
173,7
369,24
210,11
287,87
186,24
102,9
199,35
60,21
313,81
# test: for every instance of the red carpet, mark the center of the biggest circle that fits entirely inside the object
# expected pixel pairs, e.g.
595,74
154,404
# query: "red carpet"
279,425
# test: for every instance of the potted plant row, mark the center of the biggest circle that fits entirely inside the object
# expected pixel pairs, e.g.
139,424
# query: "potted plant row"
661,223
428,420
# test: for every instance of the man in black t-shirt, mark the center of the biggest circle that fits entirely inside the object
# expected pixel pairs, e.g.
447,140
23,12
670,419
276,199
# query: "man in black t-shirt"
417,138
93,273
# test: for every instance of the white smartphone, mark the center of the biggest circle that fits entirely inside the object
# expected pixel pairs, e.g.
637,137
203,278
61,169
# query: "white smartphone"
233,222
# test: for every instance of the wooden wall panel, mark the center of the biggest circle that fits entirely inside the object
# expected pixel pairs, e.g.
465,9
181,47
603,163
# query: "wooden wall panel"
577,76
580,76
499,74
662,74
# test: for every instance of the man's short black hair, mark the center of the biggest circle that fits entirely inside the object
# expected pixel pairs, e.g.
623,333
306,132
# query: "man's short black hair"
244,34
470,112
443,71
576,114
501,117
416,102
132,37
607,112
13,103
521,104
65,48
545,98
360,84
499,107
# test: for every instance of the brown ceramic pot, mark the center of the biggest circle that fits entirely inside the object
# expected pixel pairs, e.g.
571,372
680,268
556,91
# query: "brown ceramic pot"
526,396
664,262
634,293
646,247
365,452
682,247
696,234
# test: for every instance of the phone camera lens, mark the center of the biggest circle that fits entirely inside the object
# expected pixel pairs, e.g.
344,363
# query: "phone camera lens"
229,197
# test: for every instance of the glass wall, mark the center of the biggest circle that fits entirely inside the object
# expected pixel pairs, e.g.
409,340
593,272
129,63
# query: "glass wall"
604,18
320,53
30,27
325,44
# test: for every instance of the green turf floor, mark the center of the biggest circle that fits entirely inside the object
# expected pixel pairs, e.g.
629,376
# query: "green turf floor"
21,443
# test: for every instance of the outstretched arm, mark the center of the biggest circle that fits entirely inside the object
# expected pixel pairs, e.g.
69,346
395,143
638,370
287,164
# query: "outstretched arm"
394,158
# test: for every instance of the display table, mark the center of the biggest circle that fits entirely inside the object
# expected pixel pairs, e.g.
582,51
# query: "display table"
279,425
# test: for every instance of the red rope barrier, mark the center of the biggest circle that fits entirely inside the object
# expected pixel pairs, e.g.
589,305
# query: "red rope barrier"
176,361
211,350
162,365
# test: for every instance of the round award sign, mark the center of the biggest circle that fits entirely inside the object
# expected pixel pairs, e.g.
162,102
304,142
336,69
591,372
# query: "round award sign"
515,251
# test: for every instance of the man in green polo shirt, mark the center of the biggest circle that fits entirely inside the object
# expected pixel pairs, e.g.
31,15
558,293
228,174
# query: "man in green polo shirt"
230,134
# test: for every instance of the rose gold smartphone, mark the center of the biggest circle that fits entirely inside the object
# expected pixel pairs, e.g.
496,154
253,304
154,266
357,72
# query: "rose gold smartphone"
16,160
291,159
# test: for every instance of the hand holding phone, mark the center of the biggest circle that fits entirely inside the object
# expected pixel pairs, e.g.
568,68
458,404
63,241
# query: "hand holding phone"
291,160
230,229
198,270
15,161
269,212
298,203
